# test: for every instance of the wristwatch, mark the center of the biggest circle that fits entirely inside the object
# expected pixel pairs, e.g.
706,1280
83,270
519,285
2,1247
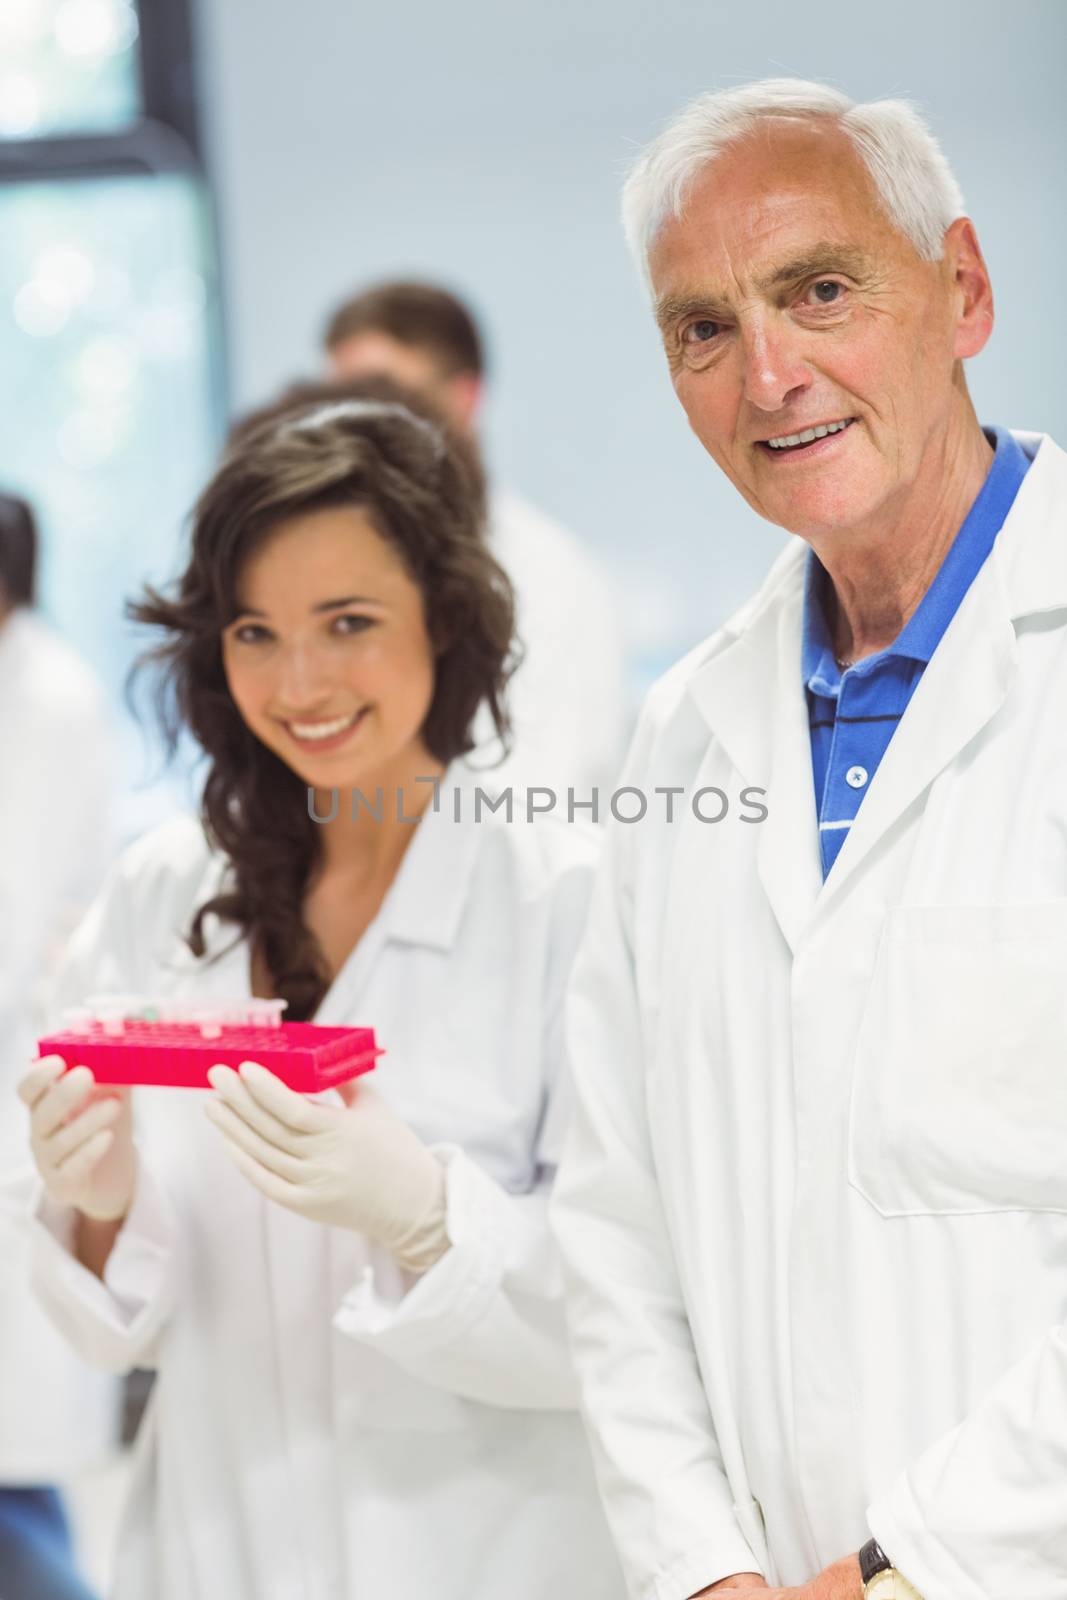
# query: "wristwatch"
881,1580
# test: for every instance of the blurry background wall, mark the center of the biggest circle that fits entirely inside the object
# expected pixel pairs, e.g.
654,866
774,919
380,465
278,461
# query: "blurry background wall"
482,144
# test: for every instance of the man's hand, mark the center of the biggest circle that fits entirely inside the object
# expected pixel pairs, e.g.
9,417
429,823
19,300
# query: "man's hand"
747,1582
842,1581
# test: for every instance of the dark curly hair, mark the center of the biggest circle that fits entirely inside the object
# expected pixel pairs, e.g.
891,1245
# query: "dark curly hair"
367,444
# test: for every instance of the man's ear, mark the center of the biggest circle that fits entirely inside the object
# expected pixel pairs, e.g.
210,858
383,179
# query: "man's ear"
974,293
463,399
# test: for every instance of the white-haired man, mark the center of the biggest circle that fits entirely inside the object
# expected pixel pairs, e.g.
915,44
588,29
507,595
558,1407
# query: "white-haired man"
814,1208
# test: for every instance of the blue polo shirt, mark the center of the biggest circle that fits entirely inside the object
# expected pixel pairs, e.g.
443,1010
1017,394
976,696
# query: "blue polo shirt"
853,714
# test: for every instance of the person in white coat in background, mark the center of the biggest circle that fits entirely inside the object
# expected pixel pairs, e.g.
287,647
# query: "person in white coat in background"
57,1416
567,699
352,1302
814,1210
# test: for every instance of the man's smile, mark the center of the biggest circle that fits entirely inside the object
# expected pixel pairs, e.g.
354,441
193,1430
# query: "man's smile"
817,430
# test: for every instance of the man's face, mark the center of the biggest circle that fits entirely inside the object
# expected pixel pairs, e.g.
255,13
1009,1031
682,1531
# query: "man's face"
788,301
372,354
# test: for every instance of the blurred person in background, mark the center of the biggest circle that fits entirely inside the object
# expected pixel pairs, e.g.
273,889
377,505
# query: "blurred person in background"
352,1301
57,1416
567,700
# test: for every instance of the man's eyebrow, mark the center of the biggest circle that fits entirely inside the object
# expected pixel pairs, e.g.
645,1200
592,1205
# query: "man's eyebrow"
826,257
673,307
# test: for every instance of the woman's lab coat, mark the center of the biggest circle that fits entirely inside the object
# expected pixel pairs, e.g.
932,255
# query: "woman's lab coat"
323,1427
815,1203
56,1414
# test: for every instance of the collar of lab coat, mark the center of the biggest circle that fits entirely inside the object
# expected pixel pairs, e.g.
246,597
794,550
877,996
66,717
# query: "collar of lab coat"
422,906
751,695
426,899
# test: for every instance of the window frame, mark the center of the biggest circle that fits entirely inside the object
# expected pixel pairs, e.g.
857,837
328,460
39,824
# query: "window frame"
166,138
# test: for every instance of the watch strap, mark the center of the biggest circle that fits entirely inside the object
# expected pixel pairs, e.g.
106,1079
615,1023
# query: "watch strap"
873,1560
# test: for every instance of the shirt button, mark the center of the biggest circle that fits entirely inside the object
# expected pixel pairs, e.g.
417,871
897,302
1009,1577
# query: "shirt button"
856,777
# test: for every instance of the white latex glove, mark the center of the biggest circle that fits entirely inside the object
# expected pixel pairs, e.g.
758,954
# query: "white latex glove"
354,1166
81,1137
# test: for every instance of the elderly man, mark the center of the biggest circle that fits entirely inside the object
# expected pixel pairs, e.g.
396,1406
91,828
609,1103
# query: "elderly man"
814,1208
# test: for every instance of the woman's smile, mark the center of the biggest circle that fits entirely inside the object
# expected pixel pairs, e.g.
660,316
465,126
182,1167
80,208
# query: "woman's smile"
324,733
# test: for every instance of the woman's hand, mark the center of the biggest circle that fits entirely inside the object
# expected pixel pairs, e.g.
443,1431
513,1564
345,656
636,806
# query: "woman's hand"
357,1166
81,1137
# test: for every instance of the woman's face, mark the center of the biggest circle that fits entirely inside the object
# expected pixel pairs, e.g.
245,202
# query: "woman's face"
328,660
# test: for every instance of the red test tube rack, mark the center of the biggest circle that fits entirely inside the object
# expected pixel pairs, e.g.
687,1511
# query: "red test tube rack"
126,1039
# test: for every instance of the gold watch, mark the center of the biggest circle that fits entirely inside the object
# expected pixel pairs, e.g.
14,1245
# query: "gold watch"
881,1580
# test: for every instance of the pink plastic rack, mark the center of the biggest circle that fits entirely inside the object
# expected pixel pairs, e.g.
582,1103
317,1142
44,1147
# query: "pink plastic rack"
144,1044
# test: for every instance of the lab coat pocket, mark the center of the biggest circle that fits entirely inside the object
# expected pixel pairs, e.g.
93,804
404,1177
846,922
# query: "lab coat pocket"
959,1095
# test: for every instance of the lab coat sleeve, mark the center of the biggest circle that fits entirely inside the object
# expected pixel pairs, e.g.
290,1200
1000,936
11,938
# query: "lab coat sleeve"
983,1512
657,1460
486,1322
118,1322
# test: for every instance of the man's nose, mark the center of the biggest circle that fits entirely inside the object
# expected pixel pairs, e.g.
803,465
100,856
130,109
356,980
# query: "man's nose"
775,372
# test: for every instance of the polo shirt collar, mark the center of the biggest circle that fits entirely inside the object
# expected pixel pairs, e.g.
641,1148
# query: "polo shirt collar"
922,633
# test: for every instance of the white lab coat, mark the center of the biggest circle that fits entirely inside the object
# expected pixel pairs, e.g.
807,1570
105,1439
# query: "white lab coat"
568,697
321,1429
56,1414
815,1201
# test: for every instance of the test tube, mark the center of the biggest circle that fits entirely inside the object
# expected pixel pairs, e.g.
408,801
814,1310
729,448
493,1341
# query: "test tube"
112,1018
110,1005
266,1013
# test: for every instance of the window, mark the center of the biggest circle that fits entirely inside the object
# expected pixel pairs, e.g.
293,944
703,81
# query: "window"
68,66
111,408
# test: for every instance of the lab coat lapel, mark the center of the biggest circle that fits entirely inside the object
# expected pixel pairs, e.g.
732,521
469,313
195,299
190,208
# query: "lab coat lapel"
423,906
787,852
970,673
752,698
962,688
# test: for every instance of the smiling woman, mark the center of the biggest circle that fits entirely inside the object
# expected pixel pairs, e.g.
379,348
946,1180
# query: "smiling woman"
340,620
322,666
353,1303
